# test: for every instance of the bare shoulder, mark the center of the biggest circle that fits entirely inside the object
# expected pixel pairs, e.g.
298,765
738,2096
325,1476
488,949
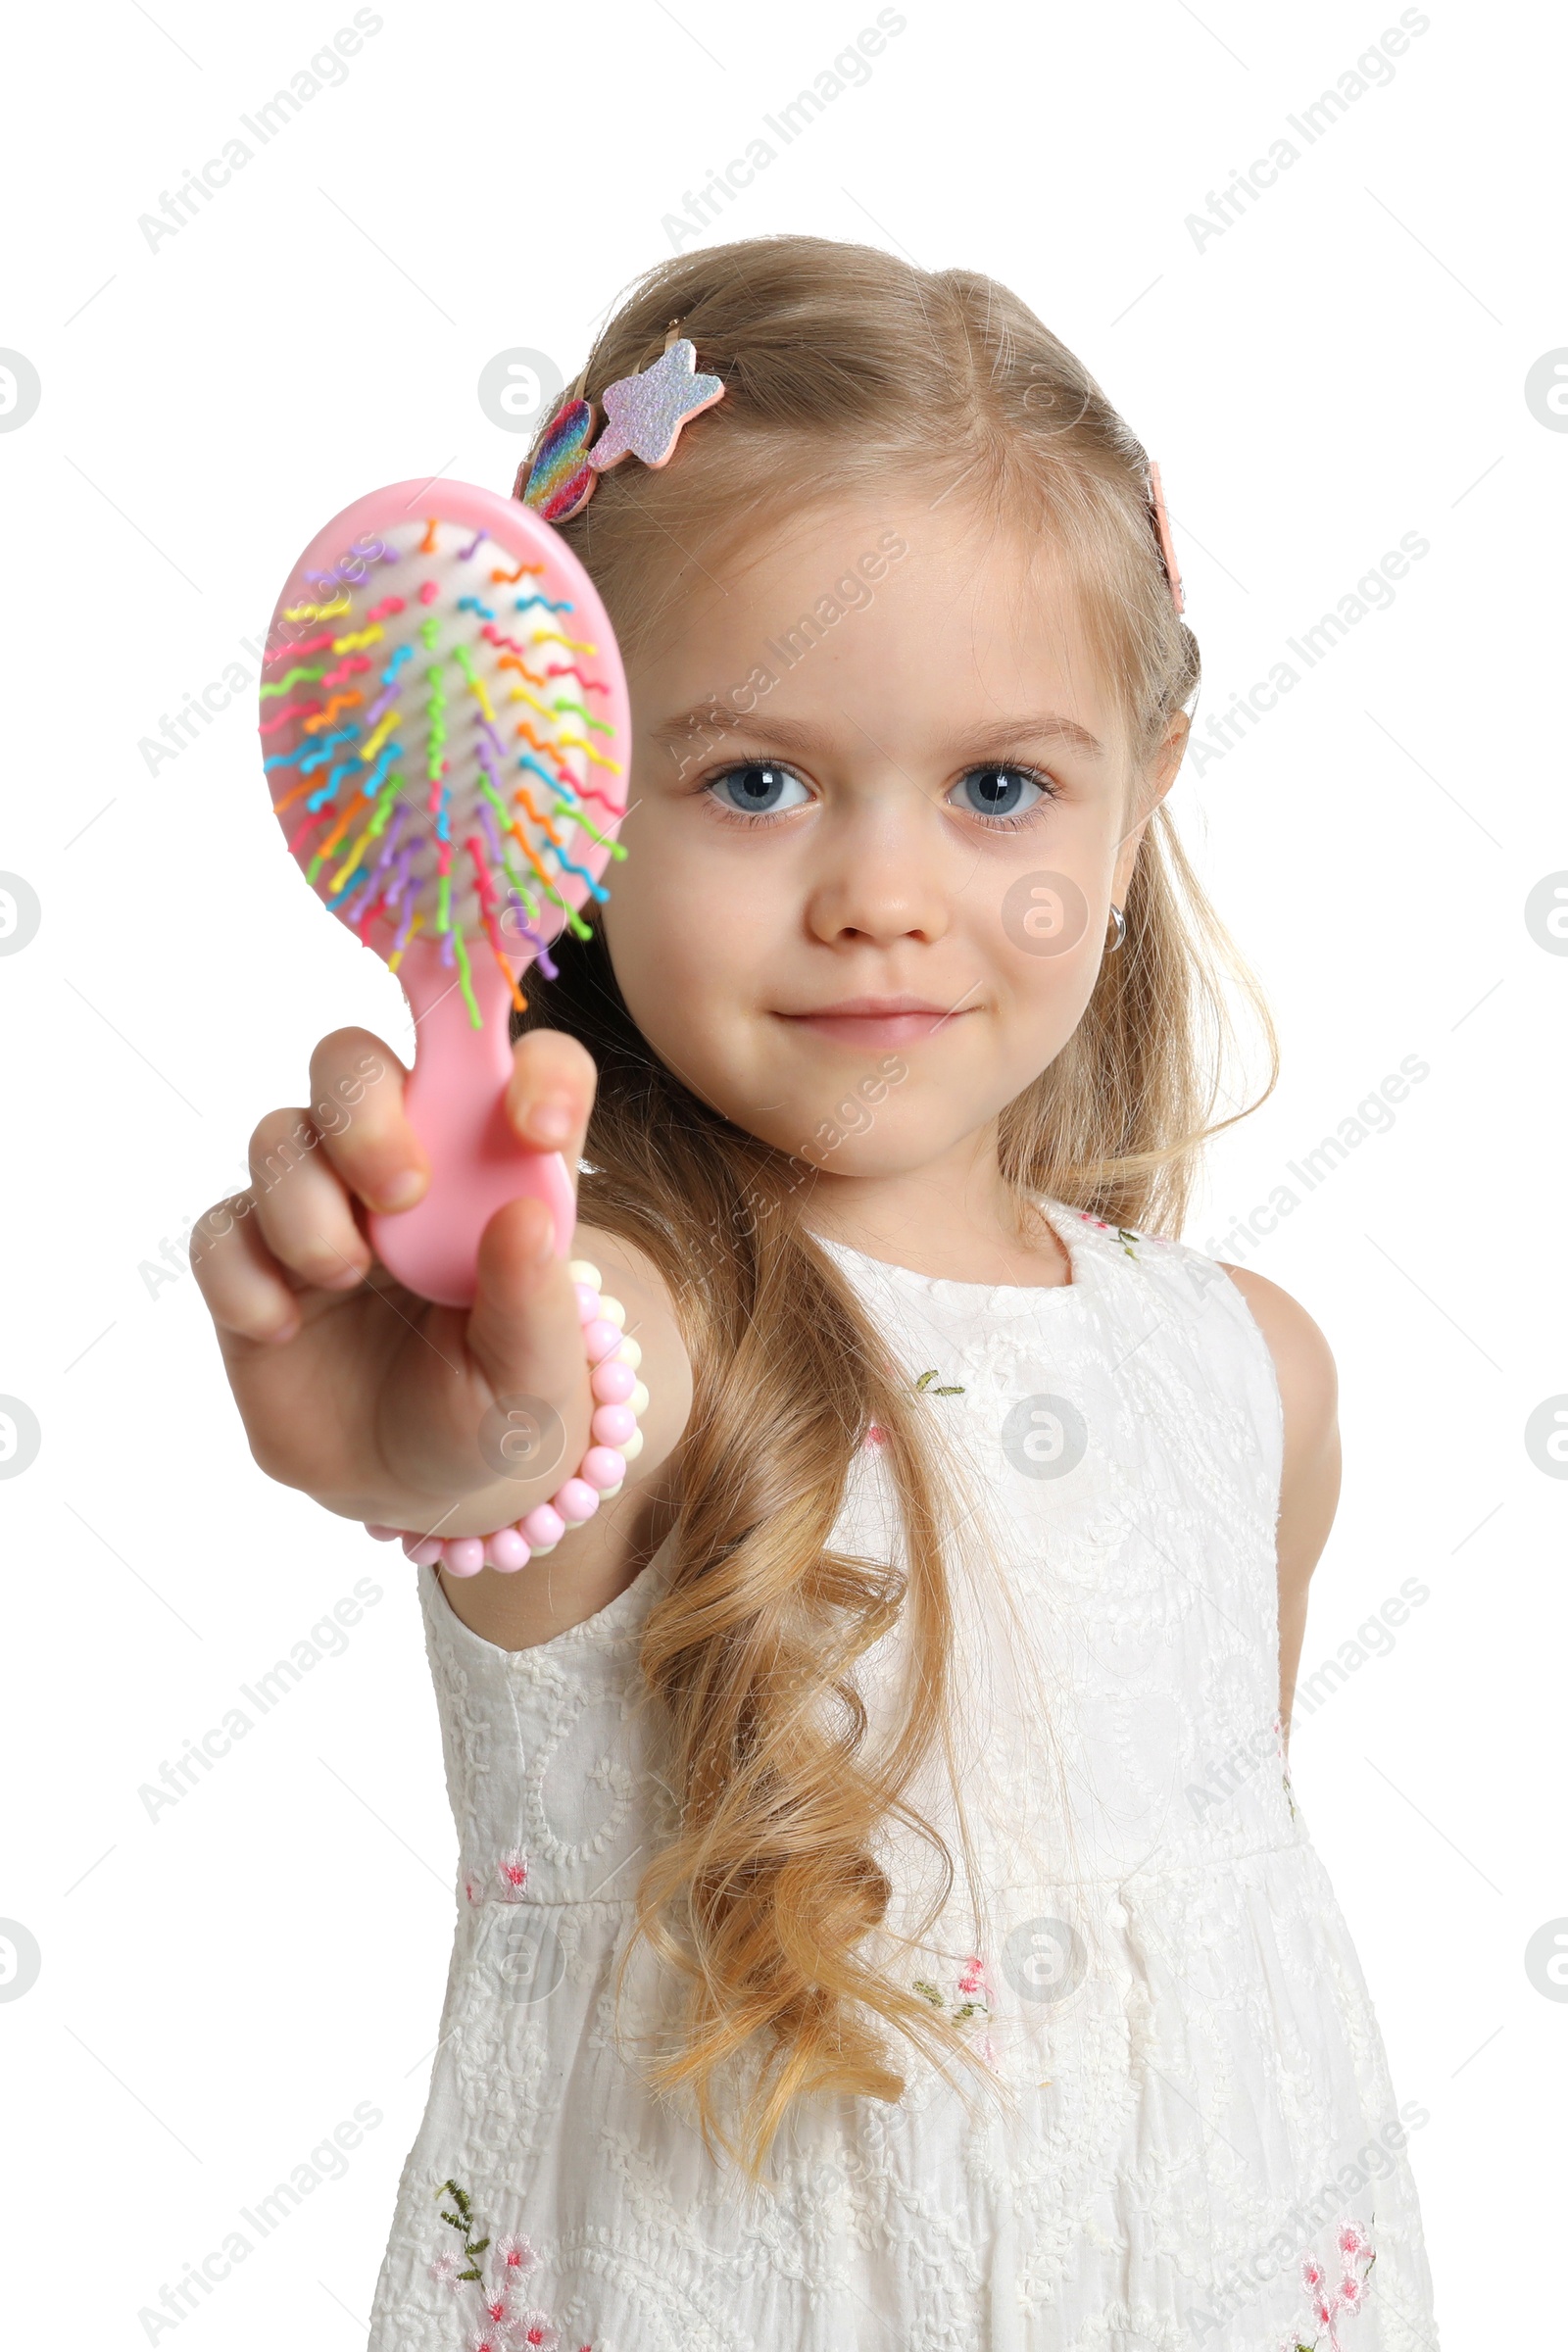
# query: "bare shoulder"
1303,1361
1311,1472
1311,1469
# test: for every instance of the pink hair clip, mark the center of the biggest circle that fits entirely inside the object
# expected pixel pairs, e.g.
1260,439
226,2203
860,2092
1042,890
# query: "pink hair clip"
1167,547
645,412
644,417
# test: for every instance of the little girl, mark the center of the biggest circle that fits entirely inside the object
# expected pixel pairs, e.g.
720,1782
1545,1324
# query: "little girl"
884,1918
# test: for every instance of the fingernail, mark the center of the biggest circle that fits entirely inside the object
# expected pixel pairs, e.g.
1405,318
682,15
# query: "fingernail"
551,1123
403,1190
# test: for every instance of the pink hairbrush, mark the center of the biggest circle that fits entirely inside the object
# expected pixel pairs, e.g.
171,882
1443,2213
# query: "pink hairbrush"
445,730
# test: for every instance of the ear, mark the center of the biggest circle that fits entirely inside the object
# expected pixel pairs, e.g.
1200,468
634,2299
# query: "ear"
1149,787
1160,774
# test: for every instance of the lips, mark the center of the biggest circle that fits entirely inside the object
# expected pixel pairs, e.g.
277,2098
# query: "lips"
876,1020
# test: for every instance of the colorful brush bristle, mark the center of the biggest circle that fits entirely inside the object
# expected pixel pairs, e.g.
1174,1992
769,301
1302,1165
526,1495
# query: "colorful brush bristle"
437,724
444,728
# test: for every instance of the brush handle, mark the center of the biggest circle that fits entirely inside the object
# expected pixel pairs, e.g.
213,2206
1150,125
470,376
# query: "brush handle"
456,1105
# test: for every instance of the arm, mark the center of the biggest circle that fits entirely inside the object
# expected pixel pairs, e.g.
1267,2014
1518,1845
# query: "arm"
375,1402
1310,1482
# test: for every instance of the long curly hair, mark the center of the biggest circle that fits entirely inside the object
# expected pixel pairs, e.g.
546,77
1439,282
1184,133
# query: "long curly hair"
847,371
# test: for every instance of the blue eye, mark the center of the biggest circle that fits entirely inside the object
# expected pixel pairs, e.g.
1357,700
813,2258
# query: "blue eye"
757,789
999,791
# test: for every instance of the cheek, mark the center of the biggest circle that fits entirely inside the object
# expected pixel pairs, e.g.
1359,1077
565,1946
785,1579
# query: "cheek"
1044,998
1039,974
1044,917
1041,931
691,957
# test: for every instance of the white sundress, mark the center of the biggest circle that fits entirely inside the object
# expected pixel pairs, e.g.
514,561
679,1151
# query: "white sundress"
1186,2138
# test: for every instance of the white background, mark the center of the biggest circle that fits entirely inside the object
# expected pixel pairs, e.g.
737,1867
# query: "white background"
1344,364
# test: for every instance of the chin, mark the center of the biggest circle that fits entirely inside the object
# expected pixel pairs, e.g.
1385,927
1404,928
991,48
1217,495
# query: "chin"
867,1158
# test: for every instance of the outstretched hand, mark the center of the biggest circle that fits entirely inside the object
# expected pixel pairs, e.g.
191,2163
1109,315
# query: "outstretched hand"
379,1404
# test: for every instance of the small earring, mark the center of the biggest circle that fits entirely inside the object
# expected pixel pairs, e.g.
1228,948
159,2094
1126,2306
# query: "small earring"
1120,922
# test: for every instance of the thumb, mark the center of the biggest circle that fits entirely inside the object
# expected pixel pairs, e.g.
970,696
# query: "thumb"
525,1339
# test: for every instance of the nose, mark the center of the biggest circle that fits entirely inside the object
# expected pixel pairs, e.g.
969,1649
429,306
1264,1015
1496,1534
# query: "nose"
879,874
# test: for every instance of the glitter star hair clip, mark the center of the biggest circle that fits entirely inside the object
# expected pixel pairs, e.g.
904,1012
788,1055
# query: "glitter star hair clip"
644,417
1167,545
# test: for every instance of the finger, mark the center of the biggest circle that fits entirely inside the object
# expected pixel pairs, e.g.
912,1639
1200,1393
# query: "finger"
304,1210
523,1328
551,1093
357,1104
237,1275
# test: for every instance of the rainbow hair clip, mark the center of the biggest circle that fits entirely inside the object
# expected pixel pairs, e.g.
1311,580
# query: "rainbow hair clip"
645,415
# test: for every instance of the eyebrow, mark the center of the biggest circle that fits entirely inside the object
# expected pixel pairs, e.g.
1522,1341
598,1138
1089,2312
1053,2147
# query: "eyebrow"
993,742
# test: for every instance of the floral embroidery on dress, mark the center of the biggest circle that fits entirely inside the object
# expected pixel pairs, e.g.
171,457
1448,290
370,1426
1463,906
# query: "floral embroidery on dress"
512,1870
501,2324
876,1435
971,2002
1125,1234
1331,2304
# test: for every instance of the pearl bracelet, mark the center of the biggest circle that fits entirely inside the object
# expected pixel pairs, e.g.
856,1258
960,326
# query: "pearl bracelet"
619,1401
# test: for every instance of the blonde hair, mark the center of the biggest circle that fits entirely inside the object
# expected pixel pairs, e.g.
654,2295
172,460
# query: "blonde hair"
848,371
